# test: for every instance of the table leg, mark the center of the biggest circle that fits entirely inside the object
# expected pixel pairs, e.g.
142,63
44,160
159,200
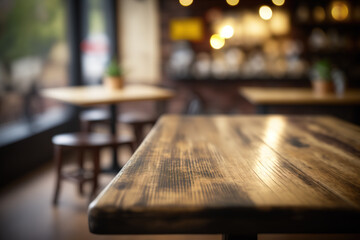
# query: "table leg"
115,167
239,237
357,115
262,109
161,107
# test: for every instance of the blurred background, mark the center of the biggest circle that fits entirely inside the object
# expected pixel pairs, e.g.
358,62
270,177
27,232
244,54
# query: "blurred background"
203,49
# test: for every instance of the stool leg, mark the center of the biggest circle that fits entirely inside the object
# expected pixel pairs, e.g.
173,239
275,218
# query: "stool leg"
96,170
85,126
81,168
133,147
138,132
58,165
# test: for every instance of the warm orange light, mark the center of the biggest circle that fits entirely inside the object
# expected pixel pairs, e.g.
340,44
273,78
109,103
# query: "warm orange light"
232,2
227,32
253,29
185,3
319,14
216,41
280,22
265,12
186,29
278,2
339,10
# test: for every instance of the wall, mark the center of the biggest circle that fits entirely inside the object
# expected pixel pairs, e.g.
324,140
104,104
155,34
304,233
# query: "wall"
139,40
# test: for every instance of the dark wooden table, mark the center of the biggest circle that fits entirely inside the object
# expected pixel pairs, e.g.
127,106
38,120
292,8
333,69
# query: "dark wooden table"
237,175
304,100
297,96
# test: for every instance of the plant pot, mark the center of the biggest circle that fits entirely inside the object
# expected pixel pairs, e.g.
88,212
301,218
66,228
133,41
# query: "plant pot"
113,82
321,87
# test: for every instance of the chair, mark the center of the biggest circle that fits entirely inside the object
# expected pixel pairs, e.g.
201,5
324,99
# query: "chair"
137,120
88,118
83,141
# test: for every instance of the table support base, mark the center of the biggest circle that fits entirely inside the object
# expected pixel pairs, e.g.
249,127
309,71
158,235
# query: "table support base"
262,109
239,237
115,167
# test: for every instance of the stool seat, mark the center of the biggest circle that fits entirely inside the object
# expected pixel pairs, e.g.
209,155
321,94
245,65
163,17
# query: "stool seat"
95,115
82,141
137,120
102,115
88,140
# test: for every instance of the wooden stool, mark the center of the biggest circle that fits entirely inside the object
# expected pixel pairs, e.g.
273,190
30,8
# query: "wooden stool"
90,117
83,141
136,120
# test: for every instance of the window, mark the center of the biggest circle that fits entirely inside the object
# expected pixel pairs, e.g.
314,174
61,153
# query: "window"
33,55
95,44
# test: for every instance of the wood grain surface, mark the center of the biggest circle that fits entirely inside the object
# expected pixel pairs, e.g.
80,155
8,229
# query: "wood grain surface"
94,95
286,96
238,175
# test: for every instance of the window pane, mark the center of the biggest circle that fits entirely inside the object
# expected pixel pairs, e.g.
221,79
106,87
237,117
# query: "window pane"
95,45
33,55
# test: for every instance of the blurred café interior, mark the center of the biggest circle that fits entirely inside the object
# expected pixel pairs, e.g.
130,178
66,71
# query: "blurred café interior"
212,56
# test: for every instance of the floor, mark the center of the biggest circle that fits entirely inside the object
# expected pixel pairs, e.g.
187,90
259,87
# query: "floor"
26,211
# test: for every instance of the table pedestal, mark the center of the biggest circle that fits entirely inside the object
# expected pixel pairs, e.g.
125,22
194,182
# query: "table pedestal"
239,237
115,167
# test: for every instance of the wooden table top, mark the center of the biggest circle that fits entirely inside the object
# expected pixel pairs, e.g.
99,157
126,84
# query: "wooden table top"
94,95
237,174
293,96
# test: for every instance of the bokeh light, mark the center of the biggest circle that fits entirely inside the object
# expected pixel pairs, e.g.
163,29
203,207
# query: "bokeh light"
339,10
319,14
265,12
227,32
216,41
185,3
232,2
280,22
278,2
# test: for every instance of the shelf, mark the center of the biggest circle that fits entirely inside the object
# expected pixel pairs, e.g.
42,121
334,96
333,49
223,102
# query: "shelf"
241,80
339,25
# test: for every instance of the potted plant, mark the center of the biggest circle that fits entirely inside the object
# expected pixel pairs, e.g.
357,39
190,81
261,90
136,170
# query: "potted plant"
321,77
113,78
